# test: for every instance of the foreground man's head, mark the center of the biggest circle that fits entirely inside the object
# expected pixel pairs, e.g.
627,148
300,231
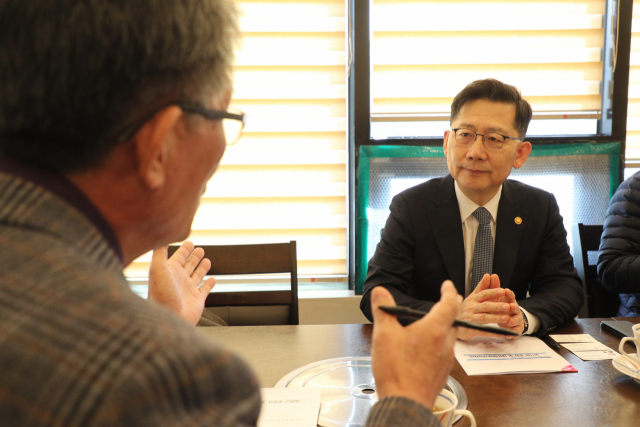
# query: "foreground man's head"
94,90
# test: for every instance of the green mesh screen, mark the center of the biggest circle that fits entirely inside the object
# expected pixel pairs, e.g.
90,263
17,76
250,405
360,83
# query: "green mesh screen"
583,177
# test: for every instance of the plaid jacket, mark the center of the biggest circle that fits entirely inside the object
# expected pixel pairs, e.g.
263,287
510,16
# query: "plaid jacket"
78,348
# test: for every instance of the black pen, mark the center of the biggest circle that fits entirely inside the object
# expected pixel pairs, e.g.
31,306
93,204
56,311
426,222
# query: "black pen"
410,312
550,342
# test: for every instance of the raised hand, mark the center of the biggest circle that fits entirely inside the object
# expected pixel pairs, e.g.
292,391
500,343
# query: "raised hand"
414,361
174,282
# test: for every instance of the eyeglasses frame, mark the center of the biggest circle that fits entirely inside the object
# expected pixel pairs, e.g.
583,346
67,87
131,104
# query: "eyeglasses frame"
215,115
207,113
455,134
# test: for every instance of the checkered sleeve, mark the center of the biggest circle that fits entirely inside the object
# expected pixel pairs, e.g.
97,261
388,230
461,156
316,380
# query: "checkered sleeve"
400,411
190,387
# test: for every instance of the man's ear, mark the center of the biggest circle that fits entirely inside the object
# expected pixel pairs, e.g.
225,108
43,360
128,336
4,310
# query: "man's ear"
522,153
446,140
153,142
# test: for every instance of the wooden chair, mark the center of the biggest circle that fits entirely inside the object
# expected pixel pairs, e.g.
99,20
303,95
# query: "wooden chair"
599,302
259,307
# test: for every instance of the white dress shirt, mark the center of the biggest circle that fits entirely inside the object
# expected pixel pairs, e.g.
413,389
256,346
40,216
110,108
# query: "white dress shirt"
469,231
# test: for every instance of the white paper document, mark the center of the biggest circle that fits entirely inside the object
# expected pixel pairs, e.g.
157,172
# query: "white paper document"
585,346
597,354
494,356
289,407
573,338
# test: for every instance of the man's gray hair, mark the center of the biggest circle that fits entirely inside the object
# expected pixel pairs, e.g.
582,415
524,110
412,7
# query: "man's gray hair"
75,72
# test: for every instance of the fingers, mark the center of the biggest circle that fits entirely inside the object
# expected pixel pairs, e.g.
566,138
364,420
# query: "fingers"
194,260
201,271
485,318
449,293
182,254
509,296
495,282
446,310
190,258
492,307
381,296
488,295
466,334
483,284
514,320
207,286
160,254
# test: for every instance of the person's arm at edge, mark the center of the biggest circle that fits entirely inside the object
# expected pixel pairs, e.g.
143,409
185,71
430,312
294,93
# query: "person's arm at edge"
619,255
411,364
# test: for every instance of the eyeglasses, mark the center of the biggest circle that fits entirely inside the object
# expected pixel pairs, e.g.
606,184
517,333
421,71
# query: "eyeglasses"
233,121
491,141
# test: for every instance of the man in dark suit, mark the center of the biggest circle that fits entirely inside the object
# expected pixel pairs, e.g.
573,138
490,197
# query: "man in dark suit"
526,280
112,120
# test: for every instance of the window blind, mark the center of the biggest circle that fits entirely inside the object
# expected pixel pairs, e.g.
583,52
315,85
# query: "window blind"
286,179
632,153
424,52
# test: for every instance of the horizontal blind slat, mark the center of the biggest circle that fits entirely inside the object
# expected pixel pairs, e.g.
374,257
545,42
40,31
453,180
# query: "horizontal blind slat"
479,22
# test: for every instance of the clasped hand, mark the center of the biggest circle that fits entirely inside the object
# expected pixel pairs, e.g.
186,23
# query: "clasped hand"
489,303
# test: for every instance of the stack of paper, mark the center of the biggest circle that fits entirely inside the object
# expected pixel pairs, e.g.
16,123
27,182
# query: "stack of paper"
494,356
585,347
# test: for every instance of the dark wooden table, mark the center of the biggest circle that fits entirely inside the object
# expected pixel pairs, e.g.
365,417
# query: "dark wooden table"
598,395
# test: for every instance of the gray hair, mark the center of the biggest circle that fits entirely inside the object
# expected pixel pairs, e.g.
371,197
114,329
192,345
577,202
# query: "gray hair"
73,72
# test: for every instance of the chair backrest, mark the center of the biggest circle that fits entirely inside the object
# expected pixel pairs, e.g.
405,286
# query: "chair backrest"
599,302
254,259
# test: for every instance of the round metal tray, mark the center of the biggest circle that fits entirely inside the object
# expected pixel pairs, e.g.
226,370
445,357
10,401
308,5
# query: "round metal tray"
348,389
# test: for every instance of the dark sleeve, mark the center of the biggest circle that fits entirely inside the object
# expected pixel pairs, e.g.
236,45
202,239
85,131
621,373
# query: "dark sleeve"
400,411
556,294
619,255
392,265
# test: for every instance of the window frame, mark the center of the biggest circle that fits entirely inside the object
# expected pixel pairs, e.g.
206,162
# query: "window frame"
612,127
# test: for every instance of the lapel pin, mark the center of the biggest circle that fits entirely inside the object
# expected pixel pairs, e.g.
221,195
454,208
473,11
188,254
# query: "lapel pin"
518,220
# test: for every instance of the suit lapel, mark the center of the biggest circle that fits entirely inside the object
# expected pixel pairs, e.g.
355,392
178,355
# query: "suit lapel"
508,233
447,230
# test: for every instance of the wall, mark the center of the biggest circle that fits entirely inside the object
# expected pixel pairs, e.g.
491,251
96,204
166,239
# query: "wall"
333,310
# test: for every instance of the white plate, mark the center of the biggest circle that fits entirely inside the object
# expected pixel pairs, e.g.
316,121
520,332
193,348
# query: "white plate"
627,366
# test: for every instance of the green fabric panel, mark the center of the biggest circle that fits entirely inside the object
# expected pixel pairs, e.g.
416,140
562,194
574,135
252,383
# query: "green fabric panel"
610,148
362,221
397,151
